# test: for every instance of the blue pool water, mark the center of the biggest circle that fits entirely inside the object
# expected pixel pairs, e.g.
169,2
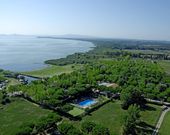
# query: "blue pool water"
87,102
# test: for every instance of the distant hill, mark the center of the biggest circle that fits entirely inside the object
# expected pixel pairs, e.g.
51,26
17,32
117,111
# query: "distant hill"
70,36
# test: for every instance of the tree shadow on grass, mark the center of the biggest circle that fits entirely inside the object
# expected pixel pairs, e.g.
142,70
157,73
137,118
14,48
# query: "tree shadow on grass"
145,128
148,108
145,125
89,114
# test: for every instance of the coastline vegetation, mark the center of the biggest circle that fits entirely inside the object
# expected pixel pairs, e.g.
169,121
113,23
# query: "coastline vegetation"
52,70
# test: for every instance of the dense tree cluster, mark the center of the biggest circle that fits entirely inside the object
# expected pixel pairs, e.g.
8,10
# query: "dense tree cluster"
143,76
132,96
131,120
91,128
87,128
68,129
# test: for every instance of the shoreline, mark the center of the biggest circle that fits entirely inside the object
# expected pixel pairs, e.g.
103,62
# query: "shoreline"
84,40
46,65
34,73
49,65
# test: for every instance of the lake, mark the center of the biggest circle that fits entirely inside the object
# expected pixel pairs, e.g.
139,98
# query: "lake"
26,53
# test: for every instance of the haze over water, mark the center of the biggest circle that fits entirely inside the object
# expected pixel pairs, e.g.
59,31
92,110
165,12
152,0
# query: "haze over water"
26,53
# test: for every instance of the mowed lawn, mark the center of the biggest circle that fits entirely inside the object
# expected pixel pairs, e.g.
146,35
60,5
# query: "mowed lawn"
165,128
52,70
111,116
76,111
13,115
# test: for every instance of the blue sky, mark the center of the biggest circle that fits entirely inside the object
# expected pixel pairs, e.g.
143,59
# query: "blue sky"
137,19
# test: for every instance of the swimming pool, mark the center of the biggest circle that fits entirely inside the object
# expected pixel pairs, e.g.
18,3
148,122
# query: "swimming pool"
87,103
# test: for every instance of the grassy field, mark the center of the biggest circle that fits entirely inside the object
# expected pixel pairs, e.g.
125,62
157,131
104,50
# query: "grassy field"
13,115
165,65
76,111
111,115
165,130
52,70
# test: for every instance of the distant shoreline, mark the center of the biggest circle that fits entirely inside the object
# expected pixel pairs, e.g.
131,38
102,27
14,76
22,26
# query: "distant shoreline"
79,39
34,59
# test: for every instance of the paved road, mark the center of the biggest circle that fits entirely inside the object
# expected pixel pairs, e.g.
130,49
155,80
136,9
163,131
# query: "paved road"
159,123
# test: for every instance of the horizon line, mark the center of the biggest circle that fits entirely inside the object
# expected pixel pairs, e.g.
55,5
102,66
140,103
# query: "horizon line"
83,37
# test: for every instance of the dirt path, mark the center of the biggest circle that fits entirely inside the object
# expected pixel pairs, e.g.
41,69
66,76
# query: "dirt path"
159,123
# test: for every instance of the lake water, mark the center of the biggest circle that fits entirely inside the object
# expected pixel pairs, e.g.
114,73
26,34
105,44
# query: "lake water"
26,53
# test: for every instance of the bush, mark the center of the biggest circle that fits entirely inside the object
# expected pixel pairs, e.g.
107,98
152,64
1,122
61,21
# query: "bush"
66,107
74,131
5,101
63,128
100,130
94,129
68,129
26,129
87,126
47,121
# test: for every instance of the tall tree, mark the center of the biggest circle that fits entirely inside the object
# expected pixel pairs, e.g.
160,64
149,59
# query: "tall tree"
130,96
131,120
